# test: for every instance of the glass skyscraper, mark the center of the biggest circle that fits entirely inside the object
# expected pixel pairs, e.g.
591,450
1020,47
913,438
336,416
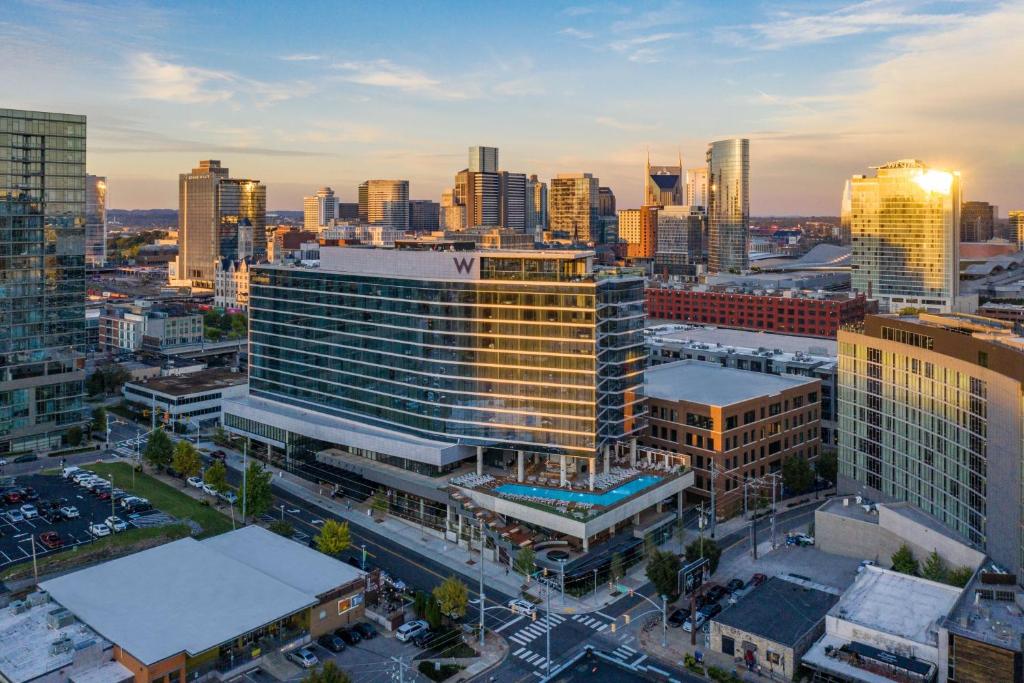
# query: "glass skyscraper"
573,206
95,220
42,278
728,205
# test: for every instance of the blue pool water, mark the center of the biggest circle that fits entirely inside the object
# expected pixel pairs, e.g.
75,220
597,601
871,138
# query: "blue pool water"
607,498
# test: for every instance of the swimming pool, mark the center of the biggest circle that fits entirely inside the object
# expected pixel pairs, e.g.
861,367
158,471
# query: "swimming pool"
607,498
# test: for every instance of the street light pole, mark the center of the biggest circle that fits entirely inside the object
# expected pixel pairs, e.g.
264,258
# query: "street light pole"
547,621
482,605
595,584
561,575
664,620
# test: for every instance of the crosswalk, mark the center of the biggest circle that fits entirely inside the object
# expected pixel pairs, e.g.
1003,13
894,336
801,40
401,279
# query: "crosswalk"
590,622
628,655
524,638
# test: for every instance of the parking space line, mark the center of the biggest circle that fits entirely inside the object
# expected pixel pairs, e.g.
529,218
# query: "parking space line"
6,556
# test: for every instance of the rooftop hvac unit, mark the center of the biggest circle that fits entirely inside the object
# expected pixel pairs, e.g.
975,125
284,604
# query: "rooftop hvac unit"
59,618
19,606
37,598
61,645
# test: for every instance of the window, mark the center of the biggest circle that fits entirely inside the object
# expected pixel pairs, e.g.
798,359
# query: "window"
731,422
699,421
728,646
775,409
749,417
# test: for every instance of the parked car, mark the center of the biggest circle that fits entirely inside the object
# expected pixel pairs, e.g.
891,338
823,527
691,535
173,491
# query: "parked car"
12,497
51,539
678,618
734,585
80,475
430,639
758,579
304,657
694,622
68,471
331,642
349,635
715,593
116,523
520,606
799,539
411,629
99,529
218,455
229,497
710,610
366,630
29,493
209,490
69,512
29,510
195,482
15,515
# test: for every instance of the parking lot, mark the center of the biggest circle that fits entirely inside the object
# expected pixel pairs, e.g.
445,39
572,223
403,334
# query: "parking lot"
16,536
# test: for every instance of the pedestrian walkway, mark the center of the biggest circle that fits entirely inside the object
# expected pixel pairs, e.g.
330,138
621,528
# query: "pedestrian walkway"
535,629
590,622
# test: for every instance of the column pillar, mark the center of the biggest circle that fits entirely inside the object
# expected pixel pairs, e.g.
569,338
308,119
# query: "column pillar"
586,544
657,507
459,540
666,458
679,507
591,466
561,469
479,460
520,466
607,457
632,452
636,519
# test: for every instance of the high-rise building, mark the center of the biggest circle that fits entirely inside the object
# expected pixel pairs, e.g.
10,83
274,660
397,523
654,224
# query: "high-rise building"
348,211
483,160
319,210
362,199
480,194
42,268
905,229
424,215
678,241
387,203
977,221
453,215
605,202
664,185
95,220
1017,228
536,205
572,205
512,207
638,228
846,213
218,217
728,205
697,187
930,414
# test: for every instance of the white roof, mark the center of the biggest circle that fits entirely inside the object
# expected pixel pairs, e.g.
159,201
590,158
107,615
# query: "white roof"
712,384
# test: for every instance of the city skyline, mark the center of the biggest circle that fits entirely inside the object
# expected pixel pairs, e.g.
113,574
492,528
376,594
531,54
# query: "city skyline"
573,89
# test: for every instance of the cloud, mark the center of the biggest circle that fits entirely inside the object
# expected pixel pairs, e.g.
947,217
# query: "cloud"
576,33
610,122
638,49
383,73
669,15
162,80
300,58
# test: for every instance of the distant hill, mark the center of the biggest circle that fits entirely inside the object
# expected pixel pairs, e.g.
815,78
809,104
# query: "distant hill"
168,218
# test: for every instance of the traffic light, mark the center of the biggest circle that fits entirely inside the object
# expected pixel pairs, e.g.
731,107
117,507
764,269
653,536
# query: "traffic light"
613,627
533,617
626,617
545,571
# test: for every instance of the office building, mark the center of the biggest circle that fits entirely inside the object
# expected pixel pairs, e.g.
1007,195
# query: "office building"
678,240
319,210
348,211
513,201
187,401
846,213
930,414
424,215
573,206
638,228
664,185
482,366
977,221
362,200
218,217
536,205
605,202
905,229
1017,228
697,187
231,285
728,206
142,326
453,215
733,424
485,237
387,203
480,194
483,160
42,264
95,220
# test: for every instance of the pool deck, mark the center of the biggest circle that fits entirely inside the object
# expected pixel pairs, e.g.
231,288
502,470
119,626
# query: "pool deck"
603,499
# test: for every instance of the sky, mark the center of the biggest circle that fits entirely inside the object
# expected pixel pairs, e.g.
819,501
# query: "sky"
301,95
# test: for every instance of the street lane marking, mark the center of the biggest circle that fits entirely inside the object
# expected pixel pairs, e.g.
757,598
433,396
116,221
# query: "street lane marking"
603,627
627,649
639,660
516,653
507,624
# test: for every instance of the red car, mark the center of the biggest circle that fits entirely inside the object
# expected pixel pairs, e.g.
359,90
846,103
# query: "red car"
12,497
51,539
758,579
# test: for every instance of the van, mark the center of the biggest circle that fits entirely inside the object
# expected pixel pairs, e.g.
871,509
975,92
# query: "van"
411,629
68,471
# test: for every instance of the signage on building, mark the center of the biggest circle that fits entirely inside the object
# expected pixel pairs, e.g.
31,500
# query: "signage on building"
693,575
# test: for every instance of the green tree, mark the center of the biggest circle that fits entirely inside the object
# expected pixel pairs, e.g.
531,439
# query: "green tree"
379,502
258,495
662,570
525,561
452,596
903,561
433,613
186,460
959,576
220,435
333,537
213,334
217,476
419,604
73,436
99,421
282,528
328,673
239,326
827,465
934,568
159,449
711,551
617,569
797,475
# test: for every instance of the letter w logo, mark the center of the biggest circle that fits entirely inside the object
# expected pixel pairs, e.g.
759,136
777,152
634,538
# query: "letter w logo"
463,265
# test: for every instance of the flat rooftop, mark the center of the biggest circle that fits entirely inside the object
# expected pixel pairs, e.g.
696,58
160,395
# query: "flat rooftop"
851,510
746,339
758,612
712,384
979,615
874,600
193,382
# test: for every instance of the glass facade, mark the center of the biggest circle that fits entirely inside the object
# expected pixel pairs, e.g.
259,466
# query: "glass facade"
728,205
573,206
95,220
42,277
535,354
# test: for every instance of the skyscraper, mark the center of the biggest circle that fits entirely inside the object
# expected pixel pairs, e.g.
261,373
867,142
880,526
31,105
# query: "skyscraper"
977,221
845,213
638,228
387,203
663,185
95,220
483,160
536,205
424,215
362,198
512,207
572,205
679,234
453,214
697,186
319,210
218,217
42,276
905,228
605,202
728,205
1017,228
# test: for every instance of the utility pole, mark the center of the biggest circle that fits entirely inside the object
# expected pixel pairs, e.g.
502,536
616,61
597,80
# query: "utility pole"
773,509
561,575
664,621
547,621
701,520
714,476
245,454
35,566
481,583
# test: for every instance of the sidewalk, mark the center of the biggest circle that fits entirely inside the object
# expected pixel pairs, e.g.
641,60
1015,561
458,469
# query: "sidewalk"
494,651
679,646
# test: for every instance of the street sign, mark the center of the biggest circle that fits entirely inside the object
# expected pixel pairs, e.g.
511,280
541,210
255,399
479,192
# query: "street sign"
693,575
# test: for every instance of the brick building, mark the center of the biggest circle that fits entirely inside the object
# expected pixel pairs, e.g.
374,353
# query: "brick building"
811,314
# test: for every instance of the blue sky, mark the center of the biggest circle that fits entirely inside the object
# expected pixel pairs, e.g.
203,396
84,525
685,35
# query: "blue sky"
302,95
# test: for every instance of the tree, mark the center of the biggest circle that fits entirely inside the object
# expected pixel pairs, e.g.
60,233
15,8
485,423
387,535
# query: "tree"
433,613
379,502
797,475
220,435
74,436
258,496
525,561
217,476
419,605
711,551
662,570
934,568
903,561
239,326
99,421
959,576
617,569
159,449
333,537
213,333
827,465
282,528
328,673
452,597
186,460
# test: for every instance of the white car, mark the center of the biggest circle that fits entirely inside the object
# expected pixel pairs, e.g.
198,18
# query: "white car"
229,497
29,511
116,523
2,462
15,515
99,529
69,512
208,489
80,475
67,472
195,482
304,657
520,606
411,629
688,624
